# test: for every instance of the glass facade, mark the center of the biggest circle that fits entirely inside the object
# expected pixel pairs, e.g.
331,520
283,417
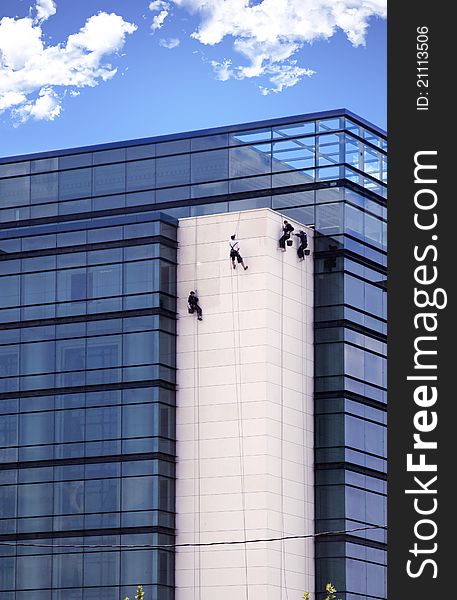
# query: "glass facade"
87,375
87,355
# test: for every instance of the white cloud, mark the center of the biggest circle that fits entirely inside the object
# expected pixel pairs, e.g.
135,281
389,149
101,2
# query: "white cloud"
45,9
159,19
223,70
284,76
34,77
163,8
169,43
46,106
10,99
269,33
157,5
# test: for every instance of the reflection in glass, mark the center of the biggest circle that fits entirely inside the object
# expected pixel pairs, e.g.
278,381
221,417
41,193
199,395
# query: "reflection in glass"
140,175
209,166
75,184
44,188
14,192
173,170
109,179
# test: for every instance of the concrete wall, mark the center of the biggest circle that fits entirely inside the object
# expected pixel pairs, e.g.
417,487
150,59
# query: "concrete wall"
244,411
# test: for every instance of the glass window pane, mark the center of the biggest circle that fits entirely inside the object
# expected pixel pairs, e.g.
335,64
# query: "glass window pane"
173,170
353,220
330,149
293,199
67,571
69,425
373,230
108,156
36,428
44,188
18,168
329,218
209,142
72,284
209,189
102,495
330,124
44,164
8,501
14,192
146,151
250,203
104,352
173,194
75,160
140,348
101,568
105,280
75,184
7,575
140,175
140,276
138,566
34,500
303,215
168,275
10,295
139,493
248,137
173,147
209,166
250,160
8,432
33,572
139,420
248,184
37,358
103,423
109,179
69,498
294,154
9,364
294,130
70,355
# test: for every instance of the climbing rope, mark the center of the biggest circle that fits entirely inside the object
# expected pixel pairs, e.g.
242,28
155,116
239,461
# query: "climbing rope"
197,497
237,358
281,345
304,338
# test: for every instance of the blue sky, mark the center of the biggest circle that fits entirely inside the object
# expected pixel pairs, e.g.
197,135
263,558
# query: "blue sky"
145,68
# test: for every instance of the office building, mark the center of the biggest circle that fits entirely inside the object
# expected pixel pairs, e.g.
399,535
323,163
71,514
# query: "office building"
128,426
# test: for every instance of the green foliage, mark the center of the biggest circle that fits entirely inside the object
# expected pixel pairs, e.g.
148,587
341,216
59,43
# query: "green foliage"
329,589
139,593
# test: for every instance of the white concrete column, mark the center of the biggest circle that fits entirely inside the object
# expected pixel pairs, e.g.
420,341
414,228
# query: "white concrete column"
244,411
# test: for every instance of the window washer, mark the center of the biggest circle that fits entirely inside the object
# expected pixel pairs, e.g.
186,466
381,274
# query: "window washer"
194,306
235,252
303,244
287,230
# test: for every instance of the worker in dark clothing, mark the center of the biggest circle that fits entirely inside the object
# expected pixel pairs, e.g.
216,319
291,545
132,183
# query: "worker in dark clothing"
303,244
286,231
235,253
194,306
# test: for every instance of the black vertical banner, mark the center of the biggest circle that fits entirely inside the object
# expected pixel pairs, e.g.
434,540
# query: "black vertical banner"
422,328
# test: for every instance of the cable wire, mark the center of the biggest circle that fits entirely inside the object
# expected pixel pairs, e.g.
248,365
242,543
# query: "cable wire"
199,544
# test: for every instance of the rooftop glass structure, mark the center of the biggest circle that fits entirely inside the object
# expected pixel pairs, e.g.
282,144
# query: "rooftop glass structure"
88,290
